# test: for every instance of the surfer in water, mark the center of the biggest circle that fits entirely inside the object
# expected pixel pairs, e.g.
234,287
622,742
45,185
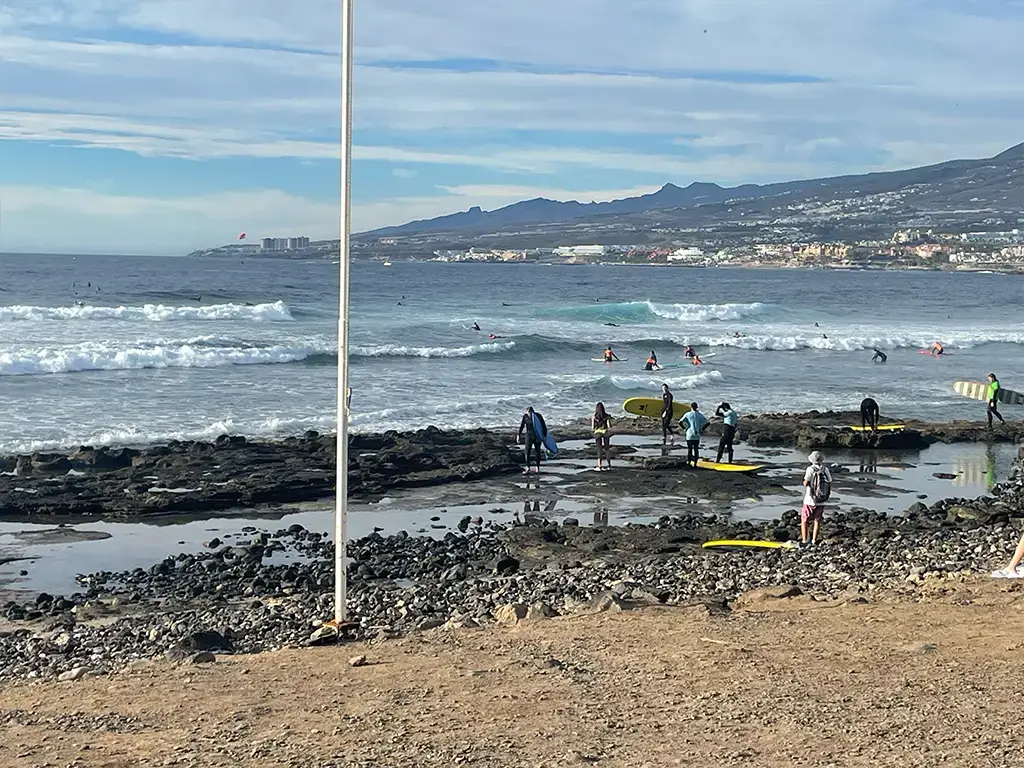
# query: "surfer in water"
534,438
666,415
610,356
694,423
476,326
652,362
696,359
993,401
936,349
879,356
601,423
492,336
689,352
869,413
729,420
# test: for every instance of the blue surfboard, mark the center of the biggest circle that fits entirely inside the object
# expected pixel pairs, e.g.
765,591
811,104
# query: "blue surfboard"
547,440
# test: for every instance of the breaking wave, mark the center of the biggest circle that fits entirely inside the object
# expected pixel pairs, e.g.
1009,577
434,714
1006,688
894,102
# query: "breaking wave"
396,350
276,311
111,357
645,311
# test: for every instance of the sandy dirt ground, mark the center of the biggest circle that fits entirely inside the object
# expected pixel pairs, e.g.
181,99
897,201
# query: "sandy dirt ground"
932,679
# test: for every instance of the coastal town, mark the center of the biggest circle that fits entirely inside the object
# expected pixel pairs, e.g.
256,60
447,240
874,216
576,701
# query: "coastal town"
980,251
1001,251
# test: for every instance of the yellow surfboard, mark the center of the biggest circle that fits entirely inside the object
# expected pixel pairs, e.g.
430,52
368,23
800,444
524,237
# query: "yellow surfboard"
743,544
651,407
705,464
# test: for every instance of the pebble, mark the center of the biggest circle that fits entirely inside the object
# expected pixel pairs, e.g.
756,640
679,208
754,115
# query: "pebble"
357,661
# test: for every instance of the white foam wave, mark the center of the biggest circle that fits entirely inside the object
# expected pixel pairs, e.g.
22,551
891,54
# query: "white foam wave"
276,311
855,342
642,381
130,436
706,312
109,357
396,350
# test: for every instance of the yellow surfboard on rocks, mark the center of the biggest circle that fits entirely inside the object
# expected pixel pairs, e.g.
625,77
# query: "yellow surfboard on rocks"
977,390
748,544
651,407
722,467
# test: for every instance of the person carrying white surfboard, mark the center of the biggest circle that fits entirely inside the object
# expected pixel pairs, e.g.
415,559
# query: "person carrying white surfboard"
993,402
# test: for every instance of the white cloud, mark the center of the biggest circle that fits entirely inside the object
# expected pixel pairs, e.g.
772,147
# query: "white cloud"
903,83
167,225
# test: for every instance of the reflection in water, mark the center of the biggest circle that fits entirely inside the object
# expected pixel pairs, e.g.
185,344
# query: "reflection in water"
869,463
978,471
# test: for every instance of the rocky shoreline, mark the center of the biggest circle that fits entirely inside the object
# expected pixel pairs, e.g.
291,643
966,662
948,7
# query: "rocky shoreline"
273,589
233,472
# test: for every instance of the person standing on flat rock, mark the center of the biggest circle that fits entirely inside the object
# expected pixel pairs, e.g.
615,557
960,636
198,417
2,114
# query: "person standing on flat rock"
694,423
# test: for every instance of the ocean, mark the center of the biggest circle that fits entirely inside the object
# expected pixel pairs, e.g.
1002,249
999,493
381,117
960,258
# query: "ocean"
109,350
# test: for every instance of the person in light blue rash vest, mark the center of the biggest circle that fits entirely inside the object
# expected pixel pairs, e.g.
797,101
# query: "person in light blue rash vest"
694,423
729,420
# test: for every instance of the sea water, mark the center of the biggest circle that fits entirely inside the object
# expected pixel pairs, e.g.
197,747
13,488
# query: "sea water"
137,350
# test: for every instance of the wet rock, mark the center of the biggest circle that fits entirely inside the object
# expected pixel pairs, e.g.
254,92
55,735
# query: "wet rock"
203,657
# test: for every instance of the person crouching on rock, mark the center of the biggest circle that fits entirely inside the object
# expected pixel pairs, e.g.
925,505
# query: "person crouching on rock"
536,430
818,484
869,413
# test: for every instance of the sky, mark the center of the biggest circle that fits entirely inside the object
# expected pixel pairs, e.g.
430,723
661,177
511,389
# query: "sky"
158,126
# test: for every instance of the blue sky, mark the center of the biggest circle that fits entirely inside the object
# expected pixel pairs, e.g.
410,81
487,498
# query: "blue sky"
157,126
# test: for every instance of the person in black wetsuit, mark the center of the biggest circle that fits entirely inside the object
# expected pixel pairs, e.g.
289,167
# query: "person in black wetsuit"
652,362
534,441
476,326
879,356
666,414
869,413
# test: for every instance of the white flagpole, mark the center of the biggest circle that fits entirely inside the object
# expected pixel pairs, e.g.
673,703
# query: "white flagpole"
341,491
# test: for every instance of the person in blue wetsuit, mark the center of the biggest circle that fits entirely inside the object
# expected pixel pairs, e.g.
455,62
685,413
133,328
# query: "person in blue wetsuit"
729,420
694,423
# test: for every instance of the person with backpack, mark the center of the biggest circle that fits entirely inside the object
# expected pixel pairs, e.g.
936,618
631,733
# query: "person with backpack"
818,484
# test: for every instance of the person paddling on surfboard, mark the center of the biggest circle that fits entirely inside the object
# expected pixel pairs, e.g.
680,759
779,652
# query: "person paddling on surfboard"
695,360
993,401
609,356
936,349
694,422
536,430
666,414
869,413
652,362
689,352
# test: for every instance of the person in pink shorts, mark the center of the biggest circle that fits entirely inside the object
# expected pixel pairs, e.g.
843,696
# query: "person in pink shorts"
817,489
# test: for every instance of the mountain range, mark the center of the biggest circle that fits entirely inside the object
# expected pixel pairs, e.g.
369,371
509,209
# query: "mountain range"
956,191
